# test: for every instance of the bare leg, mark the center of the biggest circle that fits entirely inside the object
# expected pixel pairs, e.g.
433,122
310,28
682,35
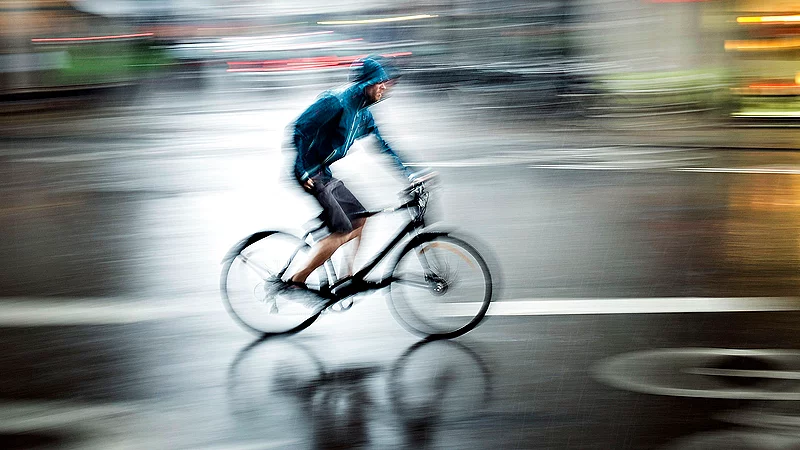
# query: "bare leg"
324,249
350,258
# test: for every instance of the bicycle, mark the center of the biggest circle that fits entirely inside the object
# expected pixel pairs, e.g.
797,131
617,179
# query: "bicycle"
430,268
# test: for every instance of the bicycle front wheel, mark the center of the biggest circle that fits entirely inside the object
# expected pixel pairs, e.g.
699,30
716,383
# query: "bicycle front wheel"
441,287
252,291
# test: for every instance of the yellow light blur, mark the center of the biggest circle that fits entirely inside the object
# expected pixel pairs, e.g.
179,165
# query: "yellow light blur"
381,20
768,19
797,78
763,44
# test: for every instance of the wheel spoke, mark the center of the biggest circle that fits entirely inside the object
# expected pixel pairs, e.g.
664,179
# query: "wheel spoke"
429,280
263,272
248,290
451,276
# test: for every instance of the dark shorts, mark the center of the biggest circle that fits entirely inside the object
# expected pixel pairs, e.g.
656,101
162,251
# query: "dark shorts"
339,205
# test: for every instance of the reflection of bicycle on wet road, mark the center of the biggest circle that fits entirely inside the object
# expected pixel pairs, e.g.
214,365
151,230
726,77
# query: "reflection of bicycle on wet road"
434,385
440,286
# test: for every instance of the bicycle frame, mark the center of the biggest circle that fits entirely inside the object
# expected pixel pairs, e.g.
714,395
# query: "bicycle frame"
356,283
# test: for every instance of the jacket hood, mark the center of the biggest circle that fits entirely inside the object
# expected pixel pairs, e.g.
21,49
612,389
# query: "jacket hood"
368,71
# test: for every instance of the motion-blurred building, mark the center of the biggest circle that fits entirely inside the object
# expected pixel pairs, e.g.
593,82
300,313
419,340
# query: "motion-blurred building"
52,45
763,45
736,56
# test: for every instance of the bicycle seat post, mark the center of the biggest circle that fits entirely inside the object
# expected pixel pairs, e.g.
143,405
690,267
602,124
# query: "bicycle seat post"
312,228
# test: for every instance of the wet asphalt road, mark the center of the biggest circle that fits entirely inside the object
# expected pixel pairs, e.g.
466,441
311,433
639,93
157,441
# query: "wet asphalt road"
115,220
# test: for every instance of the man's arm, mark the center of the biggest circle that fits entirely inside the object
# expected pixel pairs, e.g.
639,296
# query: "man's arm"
372,128
307,127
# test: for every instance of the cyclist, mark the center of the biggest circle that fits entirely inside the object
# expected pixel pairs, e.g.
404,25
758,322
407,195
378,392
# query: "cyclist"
323,133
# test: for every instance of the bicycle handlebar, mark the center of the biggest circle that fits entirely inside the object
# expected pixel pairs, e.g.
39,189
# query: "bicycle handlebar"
417,182
416,189
425,178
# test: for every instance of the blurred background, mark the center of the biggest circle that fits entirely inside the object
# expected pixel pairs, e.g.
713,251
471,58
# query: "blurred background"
735,58
630,167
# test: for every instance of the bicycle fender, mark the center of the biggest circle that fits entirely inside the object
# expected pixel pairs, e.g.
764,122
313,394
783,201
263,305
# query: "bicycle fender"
245,242
482,249
422,237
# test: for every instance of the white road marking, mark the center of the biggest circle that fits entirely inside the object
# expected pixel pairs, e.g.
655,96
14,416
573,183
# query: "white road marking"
552,307
27,312
31,312
748,170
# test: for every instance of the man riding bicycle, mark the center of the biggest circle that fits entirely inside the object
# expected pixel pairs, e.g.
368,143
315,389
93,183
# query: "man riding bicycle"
323,133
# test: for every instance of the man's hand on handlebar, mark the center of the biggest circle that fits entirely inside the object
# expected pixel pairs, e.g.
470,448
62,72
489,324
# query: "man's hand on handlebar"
422,176
419,179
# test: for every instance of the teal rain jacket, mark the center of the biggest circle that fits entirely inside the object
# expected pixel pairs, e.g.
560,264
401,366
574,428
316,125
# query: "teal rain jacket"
325,131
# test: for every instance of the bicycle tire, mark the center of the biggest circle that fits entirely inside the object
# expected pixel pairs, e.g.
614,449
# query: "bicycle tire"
251,292
439,320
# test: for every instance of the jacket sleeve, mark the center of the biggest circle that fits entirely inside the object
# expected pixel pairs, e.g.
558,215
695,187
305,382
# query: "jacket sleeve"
307,128
372,128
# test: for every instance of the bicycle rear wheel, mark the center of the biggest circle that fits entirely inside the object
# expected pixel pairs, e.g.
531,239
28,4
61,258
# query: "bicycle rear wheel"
252,291
442,287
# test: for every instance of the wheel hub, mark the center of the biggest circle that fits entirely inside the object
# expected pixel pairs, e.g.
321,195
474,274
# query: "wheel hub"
260,292
438,286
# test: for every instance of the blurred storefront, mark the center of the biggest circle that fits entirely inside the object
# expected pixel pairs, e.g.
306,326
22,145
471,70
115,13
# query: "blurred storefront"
694,53
763,46
49,45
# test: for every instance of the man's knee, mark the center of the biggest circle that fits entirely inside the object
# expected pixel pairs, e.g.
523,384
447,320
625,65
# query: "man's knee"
343,237
352,235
